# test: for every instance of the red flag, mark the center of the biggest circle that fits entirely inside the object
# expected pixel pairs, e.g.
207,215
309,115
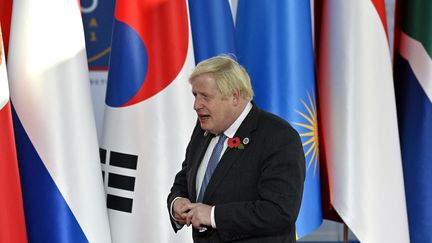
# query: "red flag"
5,18
12,223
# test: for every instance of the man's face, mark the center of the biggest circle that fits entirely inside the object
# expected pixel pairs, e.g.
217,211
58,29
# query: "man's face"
215,112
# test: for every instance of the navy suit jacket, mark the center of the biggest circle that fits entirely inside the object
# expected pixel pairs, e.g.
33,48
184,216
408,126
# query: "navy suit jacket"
256,191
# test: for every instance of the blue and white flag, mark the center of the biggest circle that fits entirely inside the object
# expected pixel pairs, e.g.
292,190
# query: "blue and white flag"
54,125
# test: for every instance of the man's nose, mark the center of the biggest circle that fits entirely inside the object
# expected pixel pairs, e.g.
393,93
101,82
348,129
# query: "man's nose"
197,104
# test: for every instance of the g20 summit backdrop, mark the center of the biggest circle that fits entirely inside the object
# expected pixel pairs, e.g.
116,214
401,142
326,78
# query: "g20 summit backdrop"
98,19
231,26
323,65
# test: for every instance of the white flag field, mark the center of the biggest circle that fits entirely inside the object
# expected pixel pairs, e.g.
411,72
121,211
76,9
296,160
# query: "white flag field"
55,130
148,118
360,129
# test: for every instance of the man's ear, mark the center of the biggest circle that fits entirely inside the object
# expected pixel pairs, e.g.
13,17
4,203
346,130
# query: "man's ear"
236,97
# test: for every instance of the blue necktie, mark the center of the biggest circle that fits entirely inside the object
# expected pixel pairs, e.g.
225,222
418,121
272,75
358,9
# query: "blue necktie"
211,166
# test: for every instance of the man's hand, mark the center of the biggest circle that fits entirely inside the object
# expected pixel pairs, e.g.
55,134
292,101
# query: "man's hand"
180,209
199,215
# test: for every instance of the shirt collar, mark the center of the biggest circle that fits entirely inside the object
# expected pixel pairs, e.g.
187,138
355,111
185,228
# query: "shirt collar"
230,132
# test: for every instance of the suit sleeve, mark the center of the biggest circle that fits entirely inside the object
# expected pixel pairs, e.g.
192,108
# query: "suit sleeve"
280,189
180,186
179,189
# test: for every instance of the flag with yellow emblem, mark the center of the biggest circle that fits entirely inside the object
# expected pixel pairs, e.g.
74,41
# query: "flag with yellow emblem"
274,43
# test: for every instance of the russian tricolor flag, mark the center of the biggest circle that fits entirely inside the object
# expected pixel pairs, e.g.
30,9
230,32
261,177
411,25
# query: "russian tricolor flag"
12,224
54,125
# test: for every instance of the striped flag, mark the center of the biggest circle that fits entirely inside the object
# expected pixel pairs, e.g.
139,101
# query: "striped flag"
358,114
274,43
413,81
12,224
148,117
54,124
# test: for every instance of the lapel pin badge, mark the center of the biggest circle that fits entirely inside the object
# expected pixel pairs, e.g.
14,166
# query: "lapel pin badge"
246,140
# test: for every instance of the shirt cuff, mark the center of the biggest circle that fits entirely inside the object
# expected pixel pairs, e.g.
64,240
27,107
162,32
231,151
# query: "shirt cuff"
212,218
178,225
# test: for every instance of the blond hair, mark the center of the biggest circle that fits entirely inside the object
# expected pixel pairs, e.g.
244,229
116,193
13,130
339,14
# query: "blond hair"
228,74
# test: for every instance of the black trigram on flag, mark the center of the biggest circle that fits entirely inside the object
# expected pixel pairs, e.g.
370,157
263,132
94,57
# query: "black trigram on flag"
119,162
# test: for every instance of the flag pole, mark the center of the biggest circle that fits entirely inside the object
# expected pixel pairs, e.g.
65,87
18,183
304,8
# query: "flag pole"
345,233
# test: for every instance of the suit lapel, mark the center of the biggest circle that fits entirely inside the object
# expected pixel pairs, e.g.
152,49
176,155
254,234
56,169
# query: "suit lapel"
232,155
196,161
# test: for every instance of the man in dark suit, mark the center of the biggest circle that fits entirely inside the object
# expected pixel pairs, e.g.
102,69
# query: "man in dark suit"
243,174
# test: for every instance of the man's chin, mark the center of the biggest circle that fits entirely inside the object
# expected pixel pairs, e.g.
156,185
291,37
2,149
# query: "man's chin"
205,127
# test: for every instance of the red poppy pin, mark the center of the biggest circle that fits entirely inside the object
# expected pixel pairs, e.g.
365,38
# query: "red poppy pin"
236,143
